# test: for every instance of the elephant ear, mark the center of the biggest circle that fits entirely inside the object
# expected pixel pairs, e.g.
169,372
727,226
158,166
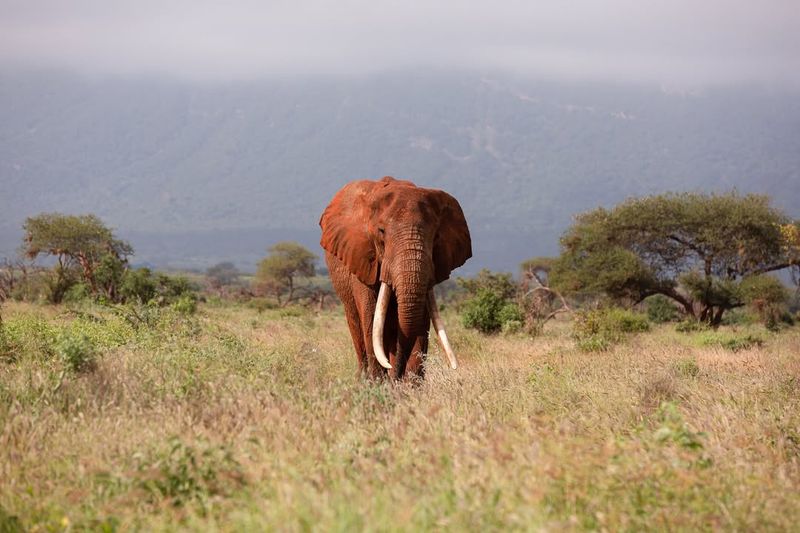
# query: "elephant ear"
344,230
452,245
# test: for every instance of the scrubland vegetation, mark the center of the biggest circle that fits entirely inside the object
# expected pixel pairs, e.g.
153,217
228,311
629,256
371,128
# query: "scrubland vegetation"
234,419
606,389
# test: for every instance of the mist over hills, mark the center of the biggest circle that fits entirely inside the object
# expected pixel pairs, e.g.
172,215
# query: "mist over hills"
194,173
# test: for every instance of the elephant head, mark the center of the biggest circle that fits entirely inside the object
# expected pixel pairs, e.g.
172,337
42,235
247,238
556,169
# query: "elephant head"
401,240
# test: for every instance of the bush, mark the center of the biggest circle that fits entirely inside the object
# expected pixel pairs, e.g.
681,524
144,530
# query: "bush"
768,298
262,304
738,317
490,306
734,343
77,352
488,312
185,304
142,286
138,285
30,335
690,326
172,288
598,329
8,350
512,326
77,293
628,321
510,312
34,287
660,309
498,283
184,474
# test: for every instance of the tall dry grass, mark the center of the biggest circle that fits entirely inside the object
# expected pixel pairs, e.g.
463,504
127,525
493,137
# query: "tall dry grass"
237,420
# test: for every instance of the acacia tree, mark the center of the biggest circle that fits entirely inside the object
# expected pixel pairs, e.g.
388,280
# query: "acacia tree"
693,248
222,275
280,272
79,243
791,243
538,301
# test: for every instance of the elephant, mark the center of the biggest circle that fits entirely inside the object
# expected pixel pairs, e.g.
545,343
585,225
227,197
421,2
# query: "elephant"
387,243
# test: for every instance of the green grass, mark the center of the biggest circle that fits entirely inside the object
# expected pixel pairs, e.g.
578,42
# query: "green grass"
235,419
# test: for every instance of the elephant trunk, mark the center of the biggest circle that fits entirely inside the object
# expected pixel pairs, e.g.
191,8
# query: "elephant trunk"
413,321
410,276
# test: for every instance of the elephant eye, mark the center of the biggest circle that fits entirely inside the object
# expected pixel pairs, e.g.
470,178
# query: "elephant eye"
381,230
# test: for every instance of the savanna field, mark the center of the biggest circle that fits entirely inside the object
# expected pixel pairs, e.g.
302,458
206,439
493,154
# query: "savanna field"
233,418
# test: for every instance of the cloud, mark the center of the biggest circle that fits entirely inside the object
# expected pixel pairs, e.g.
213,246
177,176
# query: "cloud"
680,42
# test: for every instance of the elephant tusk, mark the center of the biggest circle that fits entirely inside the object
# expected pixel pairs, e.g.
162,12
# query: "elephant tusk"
377,325
438,327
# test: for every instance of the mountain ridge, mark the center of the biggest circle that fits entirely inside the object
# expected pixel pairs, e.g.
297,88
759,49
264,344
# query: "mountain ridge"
159,158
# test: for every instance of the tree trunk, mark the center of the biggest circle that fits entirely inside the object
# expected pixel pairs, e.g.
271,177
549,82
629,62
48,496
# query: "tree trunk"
716,320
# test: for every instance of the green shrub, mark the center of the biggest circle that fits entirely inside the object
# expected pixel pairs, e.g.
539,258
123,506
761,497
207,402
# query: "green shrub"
261,304
183,474
673,430
660,309
30,335
104,331
512,326
738,317
733,343
597,343
292,311
142,286
489,306
77,293
77,352
488,311
498,283
768,298
138,314
8,350
171,288
510,312
691,325
33,289
628,321
138,285
511,318
185,304
598,329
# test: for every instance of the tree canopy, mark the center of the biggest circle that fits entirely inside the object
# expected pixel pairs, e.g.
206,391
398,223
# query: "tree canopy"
693,248
278,273
77,241
222,274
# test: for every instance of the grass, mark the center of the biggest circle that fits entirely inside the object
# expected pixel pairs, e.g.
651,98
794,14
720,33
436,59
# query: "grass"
238,419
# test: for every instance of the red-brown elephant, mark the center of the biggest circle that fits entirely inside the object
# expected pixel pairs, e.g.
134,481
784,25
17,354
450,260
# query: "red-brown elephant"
387,243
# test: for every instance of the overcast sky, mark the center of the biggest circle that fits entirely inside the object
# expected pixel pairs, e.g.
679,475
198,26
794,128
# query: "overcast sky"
680,42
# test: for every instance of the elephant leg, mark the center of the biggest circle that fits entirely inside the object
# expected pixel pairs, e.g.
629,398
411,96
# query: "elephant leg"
357,334
342,284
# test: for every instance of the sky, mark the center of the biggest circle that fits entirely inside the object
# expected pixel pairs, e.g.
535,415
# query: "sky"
676,42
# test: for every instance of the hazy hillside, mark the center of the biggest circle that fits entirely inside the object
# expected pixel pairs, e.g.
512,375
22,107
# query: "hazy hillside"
193,173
